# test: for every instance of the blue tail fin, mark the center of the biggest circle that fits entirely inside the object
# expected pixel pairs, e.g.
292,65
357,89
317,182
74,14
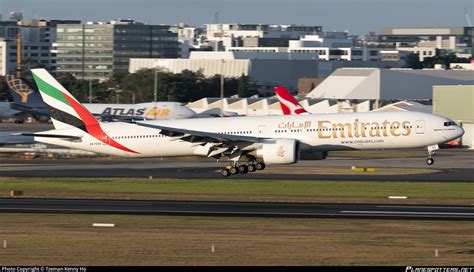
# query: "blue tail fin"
25,98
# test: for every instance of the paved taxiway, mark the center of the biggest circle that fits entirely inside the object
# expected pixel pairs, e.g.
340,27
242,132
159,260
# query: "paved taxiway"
452,165
244,209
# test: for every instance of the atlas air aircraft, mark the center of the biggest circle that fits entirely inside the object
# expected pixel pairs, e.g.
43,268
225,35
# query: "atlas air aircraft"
247,142
150,110
6,112
27,100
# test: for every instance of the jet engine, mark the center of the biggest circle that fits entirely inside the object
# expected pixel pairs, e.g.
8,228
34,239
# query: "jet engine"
279,151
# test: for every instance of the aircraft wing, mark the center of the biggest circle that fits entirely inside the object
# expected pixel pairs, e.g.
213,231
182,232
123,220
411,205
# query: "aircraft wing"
208,143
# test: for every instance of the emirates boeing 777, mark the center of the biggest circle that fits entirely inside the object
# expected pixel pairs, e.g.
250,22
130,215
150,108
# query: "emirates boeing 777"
247,142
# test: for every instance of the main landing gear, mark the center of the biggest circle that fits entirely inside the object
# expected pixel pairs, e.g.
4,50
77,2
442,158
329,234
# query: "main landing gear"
431,150
243,169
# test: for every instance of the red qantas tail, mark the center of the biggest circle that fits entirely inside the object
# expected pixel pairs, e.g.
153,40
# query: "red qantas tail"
288,103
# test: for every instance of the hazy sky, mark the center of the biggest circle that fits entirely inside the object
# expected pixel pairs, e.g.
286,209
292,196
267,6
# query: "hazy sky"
356,16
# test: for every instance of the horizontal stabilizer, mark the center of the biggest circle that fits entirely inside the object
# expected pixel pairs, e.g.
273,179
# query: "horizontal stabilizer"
72,137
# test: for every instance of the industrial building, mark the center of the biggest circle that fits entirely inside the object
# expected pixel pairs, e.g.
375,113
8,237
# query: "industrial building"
316,47
223,36
440,37
404,105
271,106
265,68
95,50
360,90
387,84
425,41
456,102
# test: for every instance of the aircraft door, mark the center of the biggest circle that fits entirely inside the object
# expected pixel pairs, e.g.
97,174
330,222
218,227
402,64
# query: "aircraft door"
262,130
420,126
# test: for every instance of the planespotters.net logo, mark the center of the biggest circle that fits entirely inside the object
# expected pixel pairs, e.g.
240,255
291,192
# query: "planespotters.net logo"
439,269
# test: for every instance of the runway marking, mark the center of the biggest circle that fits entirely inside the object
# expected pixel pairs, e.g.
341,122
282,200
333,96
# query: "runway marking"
341,213
425,207
415,213
23,164
77,202
163,211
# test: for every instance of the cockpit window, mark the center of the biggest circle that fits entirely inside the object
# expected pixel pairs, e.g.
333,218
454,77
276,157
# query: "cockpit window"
450,123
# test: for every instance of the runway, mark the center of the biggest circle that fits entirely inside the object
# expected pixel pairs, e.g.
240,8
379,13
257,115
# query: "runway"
239,209
451,165
453,175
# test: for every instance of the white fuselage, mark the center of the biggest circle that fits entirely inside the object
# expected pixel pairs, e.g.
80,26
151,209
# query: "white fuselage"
324,132
150,110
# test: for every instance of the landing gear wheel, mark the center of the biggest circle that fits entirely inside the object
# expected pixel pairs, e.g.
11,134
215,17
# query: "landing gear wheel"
430,161
225,172
260,165
234,170
243,169
251,167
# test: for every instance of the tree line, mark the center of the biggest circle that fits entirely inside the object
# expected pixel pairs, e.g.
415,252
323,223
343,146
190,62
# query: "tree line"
184,87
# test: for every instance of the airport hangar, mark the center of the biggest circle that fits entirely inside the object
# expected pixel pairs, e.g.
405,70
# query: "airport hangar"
457,103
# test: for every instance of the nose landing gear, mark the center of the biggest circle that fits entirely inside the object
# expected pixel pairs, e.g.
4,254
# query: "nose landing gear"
431,151
429,161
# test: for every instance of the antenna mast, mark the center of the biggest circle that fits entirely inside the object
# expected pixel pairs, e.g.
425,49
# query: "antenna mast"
18,56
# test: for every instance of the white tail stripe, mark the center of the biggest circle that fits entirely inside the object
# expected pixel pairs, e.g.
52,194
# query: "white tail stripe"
53,102
59,125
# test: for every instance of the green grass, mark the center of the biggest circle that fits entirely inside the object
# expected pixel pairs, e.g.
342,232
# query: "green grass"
58,239
242,187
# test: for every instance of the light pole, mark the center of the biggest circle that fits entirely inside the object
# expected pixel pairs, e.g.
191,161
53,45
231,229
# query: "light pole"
222,87
90,91
155,86
133,96
155,90
117,93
